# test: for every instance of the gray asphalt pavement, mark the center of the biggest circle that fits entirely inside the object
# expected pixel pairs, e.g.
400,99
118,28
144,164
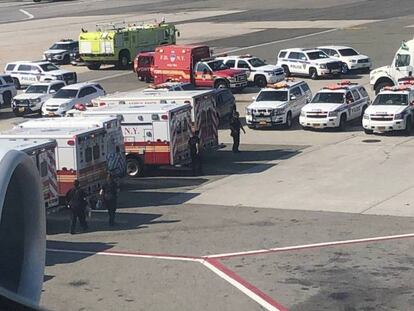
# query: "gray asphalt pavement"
287,187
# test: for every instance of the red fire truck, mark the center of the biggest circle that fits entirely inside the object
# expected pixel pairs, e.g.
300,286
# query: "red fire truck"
187,63
144,66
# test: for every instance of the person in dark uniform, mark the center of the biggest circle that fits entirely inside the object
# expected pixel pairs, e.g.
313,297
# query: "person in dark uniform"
109,193
235,127
76,199
195,153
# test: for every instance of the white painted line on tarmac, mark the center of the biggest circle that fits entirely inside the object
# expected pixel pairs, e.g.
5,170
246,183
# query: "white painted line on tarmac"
282,40
242,285
29,16
315,245
112,76
127,254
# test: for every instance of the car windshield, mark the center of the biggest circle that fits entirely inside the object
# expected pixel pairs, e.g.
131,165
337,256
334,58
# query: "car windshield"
217,65
328,98
256,62
38,89
62,93
48,67
391,100
348,52
317,55
59,46
272,96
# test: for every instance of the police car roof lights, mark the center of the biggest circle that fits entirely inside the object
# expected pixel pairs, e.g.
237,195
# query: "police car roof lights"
396,88
343,85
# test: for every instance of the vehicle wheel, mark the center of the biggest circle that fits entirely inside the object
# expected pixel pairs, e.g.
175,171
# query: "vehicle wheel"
94,66
66,60
289,122
251,127
287,71
408,127
368,132
124,60
135,167
220,84
7,99
260,81
382,85
344,69
313,74
342,122
17,83
305,128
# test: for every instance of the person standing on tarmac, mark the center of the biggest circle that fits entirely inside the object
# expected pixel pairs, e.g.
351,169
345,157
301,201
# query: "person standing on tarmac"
109,194
195,153
235,127
76,199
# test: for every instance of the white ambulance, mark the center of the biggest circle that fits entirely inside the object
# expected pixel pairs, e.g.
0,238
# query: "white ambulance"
204,114
154,135
42,152
115,150
80,154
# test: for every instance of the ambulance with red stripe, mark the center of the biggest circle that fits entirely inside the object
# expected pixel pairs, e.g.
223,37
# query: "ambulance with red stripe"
42,152
204,114
80,154
154,135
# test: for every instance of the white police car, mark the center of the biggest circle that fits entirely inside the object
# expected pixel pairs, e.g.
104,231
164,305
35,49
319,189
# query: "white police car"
27,73
308,62
7,90
349,57
391,110
67,97
60,52
257,70
334,105
278,104
33,98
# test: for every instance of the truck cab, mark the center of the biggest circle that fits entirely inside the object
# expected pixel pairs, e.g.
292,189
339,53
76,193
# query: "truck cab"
144,66
401,66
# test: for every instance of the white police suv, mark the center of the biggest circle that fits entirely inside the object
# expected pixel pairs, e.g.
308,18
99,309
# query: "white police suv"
350,58
60,52
278,104
67,97
27,73
33,98
257,70
308,62
7,90
334,105
391,110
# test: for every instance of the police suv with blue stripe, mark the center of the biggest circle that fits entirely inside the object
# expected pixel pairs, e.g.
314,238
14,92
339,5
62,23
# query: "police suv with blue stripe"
7,90
308,62
30,72
334,105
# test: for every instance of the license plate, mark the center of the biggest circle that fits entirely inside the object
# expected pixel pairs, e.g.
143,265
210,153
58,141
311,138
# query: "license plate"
316,124
262,122
21,109
50,114
381,128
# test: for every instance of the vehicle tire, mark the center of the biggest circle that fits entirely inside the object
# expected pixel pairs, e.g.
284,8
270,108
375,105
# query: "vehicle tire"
286,70
7,99
252,127
124,60
260,81
66,60
368,132
313,74
135,167
94,66
381,85
221,84
305,128
344,68
17,83
342,122
289,120
408,127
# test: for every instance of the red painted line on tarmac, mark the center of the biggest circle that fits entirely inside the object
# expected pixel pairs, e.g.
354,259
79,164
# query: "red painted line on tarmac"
247,288
311,246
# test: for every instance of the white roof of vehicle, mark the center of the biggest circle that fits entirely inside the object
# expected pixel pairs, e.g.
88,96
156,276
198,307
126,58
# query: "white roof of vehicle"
68,122
134,109
336,47
305,50
282,86
37,62
26,145
19,132
51,82
339,88
237,57
140,95
78,86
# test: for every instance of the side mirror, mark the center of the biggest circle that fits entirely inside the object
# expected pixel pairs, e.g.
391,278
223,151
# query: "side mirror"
52,91
397,68
254,97
336,55
292,97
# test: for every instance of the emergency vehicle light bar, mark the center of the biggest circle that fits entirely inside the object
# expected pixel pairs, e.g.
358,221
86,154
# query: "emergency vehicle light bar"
279,85
396,88
340,85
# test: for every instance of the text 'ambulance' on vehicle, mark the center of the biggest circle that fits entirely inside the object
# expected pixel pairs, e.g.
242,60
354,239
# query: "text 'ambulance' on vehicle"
154,135
42,152
334,105
391,110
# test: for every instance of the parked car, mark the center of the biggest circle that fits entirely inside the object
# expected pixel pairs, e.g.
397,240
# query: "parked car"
350,58
60,52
